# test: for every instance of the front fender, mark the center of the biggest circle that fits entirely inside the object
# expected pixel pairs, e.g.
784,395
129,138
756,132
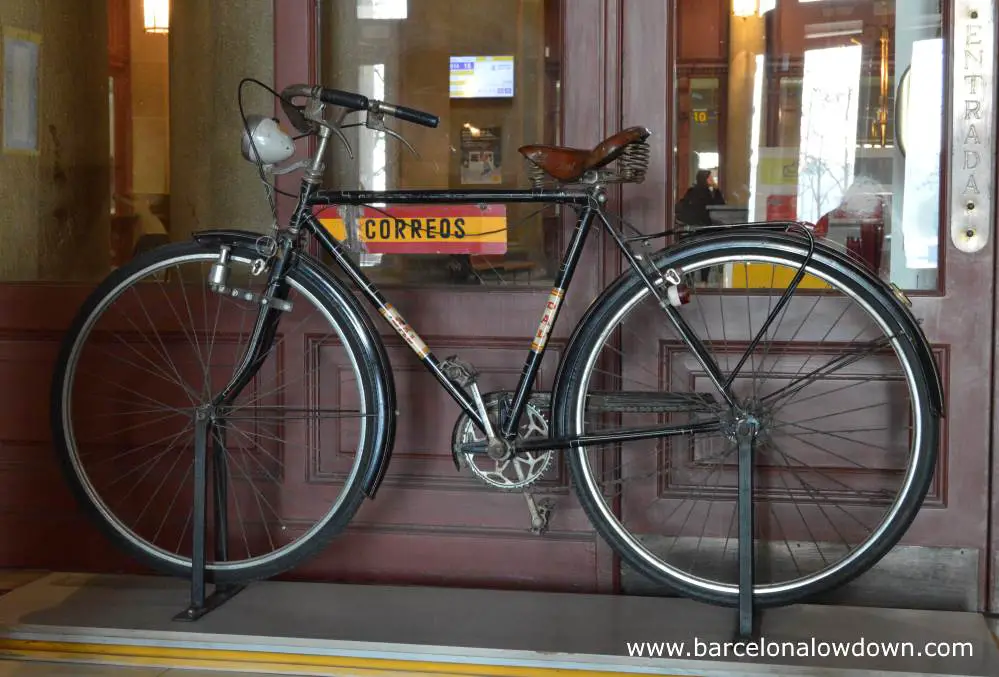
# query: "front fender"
220,236
364,328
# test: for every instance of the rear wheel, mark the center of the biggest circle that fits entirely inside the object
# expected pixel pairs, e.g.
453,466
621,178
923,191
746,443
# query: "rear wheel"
847,444
149,347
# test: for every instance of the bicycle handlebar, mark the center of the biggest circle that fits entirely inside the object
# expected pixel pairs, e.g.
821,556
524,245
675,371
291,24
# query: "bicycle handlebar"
351,101
294,114
405,114
338,97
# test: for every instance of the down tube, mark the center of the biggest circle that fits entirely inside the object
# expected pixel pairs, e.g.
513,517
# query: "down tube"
393,317
548,317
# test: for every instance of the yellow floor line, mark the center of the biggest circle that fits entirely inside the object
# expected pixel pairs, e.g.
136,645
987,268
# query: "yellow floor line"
278,663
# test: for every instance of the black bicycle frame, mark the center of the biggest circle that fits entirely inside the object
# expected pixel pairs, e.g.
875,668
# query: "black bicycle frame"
588,202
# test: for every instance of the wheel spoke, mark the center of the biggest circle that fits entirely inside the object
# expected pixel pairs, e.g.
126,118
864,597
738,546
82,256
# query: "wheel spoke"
824,485
129,431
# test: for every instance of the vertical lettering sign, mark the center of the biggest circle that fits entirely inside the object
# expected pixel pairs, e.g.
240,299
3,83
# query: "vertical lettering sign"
972,157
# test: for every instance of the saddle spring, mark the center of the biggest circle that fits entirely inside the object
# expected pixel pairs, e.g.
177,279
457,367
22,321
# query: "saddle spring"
634,162
536,175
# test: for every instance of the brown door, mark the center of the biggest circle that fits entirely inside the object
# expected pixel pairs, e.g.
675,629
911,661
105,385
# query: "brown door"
431,523
811,110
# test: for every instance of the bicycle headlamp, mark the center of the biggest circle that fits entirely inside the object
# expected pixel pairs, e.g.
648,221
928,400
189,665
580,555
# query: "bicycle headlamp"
271,143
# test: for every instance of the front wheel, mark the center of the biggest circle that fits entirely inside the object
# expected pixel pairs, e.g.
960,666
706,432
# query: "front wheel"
848,433
286,458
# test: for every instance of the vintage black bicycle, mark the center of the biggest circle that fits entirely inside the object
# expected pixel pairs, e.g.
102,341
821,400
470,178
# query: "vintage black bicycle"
241,360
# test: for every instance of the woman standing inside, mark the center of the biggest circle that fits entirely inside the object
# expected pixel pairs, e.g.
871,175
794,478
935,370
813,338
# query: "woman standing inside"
692,209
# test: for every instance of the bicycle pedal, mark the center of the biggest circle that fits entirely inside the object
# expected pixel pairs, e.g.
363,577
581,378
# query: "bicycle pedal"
253,297
541,513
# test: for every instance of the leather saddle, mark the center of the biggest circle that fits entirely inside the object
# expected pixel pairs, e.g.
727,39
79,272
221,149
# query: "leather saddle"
569,164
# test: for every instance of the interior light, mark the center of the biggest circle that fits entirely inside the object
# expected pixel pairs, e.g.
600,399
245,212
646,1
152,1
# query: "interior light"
156,16
745,8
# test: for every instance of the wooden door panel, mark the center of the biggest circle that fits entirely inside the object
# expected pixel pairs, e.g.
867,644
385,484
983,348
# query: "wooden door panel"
835,492
469,557
427,413
283,475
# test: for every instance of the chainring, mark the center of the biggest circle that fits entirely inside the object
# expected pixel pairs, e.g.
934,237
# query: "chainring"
519,471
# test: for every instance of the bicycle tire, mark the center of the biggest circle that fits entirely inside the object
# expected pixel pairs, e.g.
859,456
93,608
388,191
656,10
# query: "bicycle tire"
345,317
570,390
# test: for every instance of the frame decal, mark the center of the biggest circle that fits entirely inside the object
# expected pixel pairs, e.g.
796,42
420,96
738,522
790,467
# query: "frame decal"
404,330
547,320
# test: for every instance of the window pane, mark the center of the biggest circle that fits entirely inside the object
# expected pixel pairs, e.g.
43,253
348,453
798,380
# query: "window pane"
490,71
826,111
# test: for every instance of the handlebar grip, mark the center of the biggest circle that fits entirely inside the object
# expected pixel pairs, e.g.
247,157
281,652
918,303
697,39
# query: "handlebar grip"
339,97
416,116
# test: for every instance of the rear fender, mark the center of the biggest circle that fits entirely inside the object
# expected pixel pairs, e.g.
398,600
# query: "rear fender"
777,235
899,308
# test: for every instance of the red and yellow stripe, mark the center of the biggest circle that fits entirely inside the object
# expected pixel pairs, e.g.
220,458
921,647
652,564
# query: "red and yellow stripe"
420,229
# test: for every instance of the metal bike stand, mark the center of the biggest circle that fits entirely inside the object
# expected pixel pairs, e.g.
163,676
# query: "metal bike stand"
200,604
746,435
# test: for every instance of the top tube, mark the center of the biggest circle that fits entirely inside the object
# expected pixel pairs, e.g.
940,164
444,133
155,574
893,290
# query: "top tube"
481,196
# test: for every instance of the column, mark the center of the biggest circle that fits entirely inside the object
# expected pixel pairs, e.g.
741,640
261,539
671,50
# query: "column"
212,47
746,42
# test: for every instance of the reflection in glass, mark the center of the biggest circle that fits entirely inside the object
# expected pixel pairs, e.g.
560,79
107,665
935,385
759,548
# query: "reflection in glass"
382,9
827,150
812,126
921,149
494,87
754,143
372,152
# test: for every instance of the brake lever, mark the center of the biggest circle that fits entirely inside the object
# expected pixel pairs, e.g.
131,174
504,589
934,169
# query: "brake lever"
408,145
339,133
376,122
314,112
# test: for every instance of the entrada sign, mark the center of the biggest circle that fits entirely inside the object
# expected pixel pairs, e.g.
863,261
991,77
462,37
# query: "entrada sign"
972,145
415,229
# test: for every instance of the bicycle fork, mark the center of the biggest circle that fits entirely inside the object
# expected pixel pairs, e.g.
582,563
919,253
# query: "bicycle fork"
272,303
210,424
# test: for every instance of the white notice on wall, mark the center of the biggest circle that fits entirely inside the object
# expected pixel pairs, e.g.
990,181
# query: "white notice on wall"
20,87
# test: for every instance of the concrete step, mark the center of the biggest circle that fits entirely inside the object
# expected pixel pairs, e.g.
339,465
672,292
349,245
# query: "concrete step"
326,629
